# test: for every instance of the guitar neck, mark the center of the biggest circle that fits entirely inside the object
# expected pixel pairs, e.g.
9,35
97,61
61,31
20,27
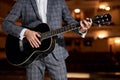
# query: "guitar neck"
100,20
60,30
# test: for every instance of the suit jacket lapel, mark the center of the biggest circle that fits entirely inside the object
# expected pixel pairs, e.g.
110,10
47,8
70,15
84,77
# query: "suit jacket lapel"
49,9
33,2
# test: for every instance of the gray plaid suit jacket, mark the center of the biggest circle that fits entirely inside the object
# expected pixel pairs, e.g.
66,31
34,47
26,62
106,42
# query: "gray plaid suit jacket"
26,10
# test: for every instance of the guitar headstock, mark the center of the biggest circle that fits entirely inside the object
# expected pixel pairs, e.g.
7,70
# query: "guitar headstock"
101,19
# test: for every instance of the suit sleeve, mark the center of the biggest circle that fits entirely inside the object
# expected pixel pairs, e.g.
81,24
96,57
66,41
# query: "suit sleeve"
9,23
67,17
66,14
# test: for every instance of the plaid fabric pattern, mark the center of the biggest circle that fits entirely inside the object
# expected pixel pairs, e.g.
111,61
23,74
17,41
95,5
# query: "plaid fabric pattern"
56,69
57,11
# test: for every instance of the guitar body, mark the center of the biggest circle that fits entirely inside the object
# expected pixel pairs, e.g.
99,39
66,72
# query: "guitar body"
19,52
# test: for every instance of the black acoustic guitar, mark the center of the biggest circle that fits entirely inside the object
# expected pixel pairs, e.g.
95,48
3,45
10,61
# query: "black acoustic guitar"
20,52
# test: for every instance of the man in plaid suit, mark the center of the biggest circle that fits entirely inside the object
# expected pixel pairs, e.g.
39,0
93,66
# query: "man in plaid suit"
32,13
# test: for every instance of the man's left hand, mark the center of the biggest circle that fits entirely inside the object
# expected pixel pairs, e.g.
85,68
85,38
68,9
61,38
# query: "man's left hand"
85,25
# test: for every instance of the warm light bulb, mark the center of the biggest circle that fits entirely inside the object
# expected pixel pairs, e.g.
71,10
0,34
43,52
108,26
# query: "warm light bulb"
117,41
101,36
107,8
77,10
102,6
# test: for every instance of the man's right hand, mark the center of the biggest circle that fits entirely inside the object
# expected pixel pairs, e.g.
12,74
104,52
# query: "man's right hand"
32,37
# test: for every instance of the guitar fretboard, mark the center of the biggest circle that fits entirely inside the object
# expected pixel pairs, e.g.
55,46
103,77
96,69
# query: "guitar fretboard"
61,30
